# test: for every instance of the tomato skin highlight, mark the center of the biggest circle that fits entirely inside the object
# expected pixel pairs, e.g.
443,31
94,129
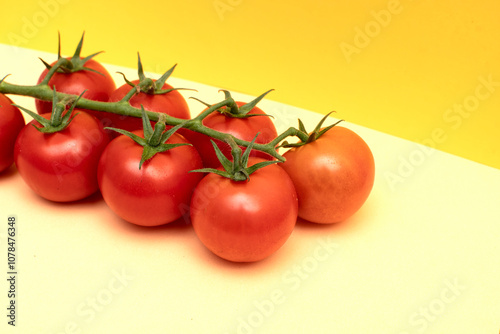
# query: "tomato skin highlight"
245,221
242,128
61,166
98,86
171,103
11,123
157,193
333,175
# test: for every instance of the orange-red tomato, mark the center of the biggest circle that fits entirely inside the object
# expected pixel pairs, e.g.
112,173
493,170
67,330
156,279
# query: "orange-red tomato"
97,86
245,221
157,193
242,128
61,166
11,123
171,103
333,175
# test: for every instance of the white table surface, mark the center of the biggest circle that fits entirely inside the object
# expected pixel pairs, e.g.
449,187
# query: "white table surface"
421,256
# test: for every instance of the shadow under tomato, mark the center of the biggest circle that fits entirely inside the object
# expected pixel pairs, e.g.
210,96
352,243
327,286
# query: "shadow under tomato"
248,271
173,229
94,199
178,225
361,218
307,226
90,200
220,262
8,173
73,208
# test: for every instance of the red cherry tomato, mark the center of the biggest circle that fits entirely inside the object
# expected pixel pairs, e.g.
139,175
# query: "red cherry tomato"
242,128
61,166
156,194
333,175
98,86
171,103
11,123
245,221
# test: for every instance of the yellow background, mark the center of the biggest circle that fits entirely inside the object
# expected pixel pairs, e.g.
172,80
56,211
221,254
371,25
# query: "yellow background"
402,67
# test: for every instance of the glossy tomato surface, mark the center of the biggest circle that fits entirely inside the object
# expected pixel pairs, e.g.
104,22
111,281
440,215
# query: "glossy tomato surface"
11,123
242,128
245,221
97,86
61,166
171,103
156,194
333,175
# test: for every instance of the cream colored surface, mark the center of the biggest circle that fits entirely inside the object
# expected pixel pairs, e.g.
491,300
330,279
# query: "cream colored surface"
421,256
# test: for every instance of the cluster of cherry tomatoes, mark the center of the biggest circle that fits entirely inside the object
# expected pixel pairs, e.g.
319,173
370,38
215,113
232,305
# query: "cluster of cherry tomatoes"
323,180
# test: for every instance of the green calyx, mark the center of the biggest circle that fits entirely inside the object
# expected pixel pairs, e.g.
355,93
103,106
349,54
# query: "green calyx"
74,64
59,119
147,85
154,140
306,137
236,170
231,108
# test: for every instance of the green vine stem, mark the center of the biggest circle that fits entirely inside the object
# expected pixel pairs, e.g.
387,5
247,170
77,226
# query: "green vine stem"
43,92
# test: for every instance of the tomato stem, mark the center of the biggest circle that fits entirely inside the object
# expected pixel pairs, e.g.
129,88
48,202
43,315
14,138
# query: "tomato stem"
56,115
237,169
43,92
134,90
58,119
52,70
233,110
155,138
213,108
291,131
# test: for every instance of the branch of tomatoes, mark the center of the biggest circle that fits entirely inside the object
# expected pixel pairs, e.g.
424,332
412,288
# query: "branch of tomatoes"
324,178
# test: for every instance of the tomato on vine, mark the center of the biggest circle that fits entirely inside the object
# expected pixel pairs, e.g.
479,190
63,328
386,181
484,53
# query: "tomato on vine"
76,75
154,95
242,120
333,172
11,123
144,175
57,153
246,210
